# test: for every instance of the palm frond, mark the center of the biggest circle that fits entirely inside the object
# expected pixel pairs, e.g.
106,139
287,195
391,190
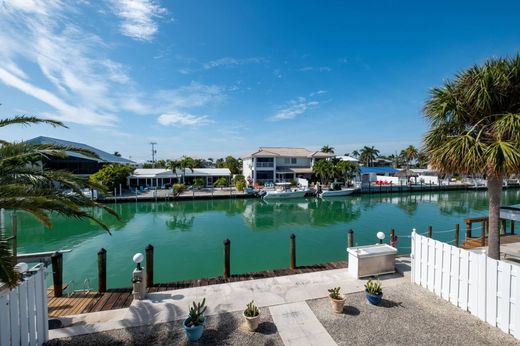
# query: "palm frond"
26,120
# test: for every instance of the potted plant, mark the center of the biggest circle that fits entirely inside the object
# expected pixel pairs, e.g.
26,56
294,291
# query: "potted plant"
374,292
252,316
194,324
337,300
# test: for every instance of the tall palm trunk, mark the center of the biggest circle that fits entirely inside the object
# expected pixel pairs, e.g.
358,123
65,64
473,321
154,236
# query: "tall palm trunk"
494,184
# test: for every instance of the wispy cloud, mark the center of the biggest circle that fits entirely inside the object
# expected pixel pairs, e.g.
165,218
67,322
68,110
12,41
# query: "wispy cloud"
182,119
229,62
138,18
318,69
294,108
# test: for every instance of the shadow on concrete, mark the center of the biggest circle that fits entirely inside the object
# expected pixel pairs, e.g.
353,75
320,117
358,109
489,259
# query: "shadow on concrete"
350,310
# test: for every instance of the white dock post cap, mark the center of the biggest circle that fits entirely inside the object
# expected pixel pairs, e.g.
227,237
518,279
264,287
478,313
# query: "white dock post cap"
21,267
138,258
380,235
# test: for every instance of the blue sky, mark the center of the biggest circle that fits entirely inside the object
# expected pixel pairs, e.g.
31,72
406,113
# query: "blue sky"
211,78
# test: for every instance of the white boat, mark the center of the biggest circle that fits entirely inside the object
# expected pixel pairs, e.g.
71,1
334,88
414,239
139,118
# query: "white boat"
284,190
335,193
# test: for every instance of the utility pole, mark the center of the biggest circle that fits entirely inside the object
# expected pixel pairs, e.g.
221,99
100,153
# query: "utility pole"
153,144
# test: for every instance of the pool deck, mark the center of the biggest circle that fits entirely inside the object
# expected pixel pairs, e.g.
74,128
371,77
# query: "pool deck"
172,305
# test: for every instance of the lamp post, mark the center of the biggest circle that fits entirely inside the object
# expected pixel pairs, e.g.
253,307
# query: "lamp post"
138,284
21,268
381,237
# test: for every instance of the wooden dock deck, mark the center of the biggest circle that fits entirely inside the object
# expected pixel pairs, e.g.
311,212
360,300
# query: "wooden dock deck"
84,302
471,243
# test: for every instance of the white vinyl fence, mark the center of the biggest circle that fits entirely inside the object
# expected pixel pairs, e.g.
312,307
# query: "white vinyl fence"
23,312
487,288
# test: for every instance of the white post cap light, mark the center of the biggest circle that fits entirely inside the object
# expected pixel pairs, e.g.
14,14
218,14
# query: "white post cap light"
138,258
380,236
21,267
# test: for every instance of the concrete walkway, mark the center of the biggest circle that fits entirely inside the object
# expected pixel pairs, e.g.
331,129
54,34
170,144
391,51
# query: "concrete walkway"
298,326
170,306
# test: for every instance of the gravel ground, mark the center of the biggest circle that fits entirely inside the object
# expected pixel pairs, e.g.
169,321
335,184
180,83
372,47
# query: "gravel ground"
224,329
408,315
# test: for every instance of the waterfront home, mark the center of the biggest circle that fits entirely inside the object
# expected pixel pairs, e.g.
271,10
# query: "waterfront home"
77,163
276,164
162,178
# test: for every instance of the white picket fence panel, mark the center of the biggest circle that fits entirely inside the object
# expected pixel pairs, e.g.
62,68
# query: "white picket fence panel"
487,288
23,313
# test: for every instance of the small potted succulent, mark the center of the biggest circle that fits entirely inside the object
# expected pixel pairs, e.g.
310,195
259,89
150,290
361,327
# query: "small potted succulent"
194,324
252,316
374,292
337,300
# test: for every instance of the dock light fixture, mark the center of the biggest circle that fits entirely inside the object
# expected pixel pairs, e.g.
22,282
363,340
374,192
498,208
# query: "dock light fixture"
380,236
138,258
21,268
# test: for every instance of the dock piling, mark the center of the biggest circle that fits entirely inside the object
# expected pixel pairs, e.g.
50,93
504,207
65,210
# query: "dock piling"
149,265
102,270
457,235
512,226
350,238
468,229
227,269
293,252
57,273
430,231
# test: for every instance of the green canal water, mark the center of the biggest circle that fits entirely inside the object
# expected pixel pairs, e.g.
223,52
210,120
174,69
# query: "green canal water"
188,235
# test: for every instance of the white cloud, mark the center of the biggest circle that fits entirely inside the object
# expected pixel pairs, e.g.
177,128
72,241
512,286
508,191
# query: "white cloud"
182,119
229,62
138,18
319,69
294,108
193,95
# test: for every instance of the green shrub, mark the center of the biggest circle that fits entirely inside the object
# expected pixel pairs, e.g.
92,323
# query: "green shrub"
240,185
178,188
110,176
199,182
220,182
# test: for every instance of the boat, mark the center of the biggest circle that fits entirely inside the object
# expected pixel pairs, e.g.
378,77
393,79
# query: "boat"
284,190
336,190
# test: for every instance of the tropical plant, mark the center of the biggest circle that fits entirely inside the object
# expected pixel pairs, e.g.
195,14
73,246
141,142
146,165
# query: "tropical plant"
251,310
198,182
409,154
334,293
186,162
475,129
178,188
110,176
327,149
173,165
240,185
27,186
234,165
355,154
368,155
196,314
374,287
220,182
324,170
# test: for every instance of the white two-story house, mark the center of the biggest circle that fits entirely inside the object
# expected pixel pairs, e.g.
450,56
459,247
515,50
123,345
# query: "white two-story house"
277,164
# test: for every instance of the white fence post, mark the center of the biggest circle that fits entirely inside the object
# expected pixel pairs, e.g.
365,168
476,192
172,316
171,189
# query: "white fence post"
487,288
23,312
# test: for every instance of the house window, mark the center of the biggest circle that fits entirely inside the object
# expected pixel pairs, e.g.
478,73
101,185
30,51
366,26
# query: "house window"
286,160
293,160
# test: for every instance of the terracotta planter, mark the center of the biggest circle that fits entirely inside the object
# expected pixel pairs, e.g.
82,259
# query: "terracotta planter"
252,322
337,305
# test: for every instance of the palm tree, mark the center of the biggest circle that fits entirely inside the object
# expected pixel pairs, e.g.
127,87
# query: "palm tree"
355,153
368,155
173,165
26,187
475,129
186,162
324,170
327,149
409,154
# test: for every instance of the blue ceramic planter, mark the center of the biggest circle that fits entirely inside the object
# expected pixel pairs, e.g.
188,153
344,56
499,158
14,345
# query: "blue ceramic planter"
193,333
374,299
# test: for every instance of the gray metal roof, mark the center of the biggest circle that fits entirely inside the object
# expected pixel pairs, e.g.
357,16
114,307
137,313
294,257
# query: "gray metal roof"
103,155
